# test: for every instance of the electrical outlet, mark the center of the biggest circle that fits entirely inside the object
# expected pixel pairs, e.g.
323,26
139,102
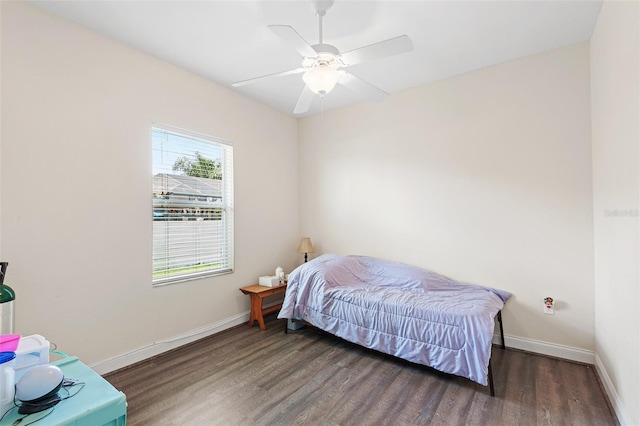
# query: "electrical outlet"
547,305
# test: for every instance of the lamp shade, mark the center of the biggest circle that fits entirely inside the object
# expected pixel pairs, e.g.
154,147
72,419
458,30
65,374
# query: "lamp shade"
306,246
321,79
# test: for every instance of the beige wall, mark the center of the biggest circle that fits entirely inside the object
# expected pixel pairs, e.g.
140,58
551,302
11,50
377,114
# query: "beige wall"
484,177
615,91
76,188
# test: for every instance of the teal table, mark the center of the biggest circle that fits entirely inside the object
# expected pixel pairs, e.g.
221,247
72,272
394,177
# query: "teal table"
97,404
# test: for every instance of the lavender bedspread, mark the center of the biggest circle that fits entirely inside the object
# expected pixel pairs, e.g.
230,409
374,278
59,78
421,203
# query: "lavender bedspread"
405,311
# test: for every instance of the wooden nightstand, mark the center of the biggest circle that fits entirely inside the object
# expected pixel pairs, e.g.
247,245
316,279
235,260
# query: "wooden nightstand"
257,293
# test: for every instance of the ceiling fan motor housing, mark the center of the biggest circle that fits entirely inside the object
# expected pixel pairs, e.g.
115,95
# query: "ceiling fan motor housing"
326,49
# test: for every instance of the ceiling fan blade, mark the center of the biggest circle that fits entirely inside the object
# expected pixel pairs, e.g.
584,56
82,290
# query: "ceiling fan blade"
390,47
360,86
294,39
304,101
266,77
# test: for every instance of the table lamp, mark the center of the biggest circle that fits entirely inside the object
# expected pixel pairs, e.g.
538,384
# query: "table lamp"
306,247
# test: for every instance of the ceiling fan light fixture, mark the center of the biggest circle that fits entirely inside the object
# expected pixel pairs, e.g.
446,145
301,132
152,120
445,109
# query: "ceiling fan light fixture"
321,79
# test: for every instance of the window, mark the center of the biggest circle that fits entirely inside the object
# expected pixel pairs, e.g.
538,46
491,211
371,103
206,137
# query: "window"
192,205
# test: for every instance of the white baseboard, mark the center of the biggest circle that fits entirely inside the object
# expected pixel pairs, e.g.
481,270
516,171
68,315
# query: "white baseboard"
618,407
156,348
546,348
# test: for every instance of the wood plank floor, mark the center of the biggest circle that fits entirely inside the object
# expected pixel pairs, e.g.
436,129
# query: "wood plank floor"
244,376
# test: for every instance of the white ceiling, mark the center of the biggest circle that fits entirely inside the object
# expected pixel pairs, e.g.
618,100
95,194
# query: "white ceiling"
228,41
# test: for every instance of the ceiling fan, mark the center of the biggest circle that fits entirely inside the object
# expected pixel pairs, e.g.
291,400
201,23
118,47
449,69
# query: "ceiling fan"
323,64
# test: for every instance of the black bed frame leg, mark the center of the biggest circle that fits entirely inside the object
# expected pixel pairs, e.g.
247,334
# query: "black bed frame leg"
499,316
491,389
490,372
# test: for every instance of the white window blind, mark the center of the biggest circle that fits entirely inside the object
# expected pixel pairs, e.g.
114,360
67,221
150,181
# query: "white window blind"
192,205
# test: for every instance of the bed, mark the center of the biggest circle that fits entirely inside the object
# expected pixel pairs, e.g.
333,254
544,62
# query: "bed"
405,311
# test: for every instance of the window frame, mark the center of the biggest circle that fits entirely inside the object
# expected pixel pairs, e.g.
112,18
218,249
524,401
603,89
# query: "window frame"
199,210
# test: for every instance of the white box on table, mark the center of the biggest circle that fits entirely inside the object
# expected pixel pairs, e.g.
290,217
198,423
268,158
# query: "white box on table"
269,281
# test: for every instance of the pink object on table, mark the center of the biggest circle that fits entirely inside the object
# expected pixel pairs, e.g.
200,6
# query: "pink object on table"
9,342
